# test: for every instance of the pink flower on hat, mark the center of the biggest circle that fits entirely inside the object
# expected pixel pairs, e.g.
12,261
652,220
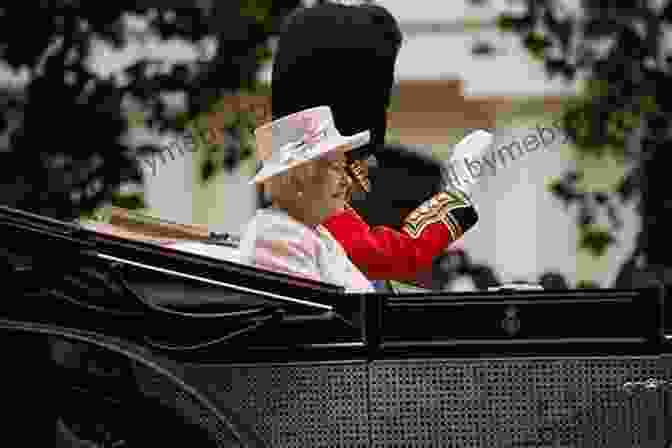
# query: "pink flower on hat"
311,128
313,132
300,137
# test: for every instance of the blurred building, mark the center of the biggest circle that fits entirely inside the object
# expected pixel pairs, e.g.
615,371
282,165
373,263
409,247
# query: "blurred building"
443,91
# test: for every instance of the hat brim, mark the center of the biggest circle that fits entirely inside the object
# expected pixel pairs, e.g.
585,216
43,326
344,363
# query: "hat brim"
336,144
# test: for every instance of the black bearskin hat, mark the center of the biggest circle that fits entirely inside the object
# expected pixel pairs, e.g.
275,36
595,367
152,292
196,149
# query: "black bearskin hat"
342,56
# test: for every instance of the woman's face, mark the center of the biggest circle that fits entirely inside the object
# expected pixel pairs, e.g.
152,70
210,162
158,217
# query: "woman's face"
327,192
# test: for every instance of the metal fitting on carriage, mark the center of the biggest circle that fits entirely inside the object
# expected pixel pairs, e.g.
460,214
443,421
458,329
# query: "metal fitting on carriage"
650,384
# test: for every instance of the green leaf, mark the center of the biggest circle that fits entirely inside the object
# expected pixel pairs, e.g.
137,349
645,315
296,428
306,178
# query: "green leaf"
595,87
536,44
505,22
264,54
587,284
472,24
515,24
208,170
596,240
648,104
253,9
129,201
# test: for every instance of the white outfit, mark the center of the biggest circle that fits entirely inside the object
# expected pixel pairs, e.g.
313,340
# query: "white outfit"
275,241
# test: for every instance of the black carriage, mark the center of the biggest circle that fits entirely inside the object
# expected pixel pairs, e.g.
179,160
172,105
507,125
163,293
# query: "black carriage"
125,343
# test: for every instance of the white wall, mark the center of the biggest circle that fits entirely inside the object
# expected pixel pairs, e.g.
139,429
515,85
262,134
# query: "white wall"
433,10
169,182
227,202
510,72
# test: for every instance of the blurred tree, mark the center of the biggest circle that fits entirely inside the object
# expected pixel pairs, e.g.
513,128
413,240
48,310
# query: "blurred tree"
621,51
68,150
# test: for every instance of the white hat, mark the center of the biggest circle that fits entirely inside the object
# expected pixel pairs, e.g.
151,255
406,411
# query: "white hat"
299,138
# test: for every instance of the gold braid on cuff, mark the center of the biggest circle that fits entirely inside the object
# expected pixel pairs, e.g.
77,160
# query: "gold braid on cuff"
438,209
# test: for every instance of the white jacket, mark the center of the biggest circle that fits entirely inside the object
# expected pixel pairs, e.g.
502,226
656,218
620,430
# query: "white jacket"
275,241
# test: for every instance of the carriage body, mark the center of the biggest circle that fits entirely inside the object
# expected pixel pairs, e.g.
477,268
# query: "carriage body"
266,359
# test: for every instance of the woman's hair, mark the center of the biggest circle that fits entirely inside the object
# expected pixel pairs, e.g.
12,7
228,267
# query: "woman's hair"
339,56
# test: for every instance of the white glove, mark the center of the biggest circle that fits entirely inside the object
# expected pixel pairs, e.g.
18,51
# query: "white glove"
471,147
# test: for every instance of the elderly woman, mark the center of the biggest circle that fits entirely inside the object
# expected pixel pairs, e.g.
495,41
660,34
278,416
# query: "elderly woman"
304,174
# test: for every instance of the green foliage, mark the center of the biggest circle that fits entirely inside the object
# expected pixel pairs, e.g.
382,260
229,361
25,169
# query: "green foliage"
596,240
618,48
238,129
256,9
536,44
594,88
516,24
129,201
471,24
586,284
67,145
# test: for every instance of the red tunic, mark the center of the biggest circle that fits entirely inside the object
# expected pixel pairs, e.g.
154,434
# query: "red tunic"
383,253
